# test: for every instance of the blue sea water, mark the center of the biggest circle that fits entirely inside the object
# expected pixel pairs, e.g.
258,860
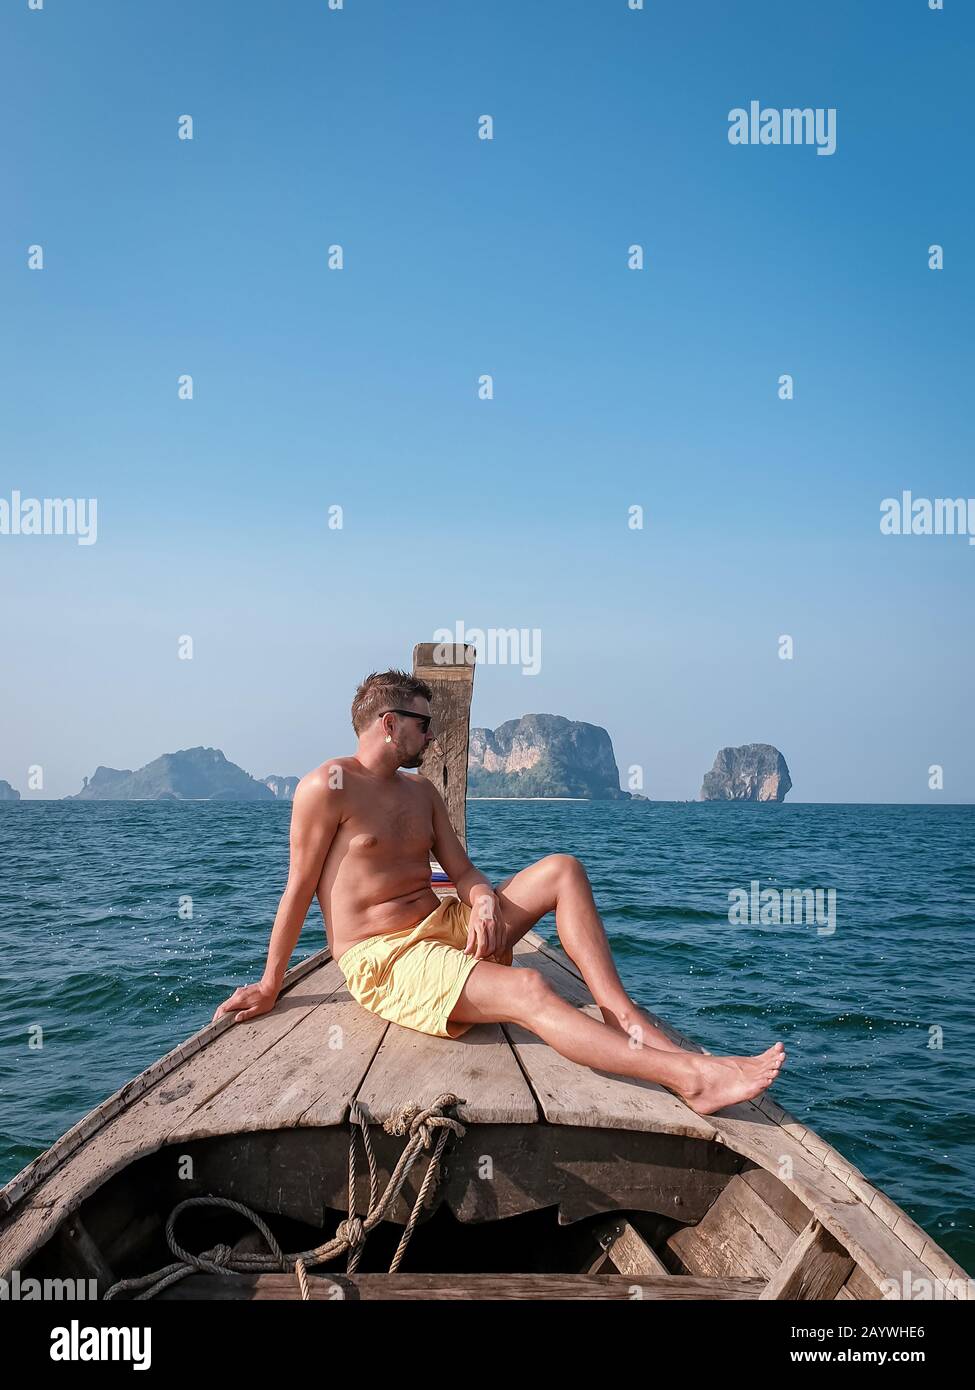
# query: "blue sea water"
876,1015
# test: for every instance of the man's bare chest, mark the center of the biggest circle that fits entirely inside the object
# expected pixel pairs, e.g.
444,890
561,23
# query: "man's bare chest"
390,825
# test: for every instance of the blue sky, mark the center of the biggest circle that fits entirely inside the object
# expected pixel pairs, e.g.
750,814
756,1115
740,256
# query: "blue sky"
613,387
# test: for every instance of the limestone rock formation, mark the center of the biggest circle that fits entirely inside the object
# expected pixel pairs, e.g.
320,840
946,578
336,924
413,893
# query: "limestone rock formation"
543,755
192,774
753,772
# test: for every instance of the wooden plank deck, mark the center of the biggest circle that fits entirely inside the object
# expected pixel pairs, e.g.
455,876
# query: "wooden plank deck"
573,1095
453,1287
307,1078
478,1067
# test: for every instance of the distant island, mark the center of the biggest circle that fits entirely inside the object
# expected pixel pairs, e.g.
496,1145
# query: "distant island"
192,774
282,787
543,755
7,792
753,772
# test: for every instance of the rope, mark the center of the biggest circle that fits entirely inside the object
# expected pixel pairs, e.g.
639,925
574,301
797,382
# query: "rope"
350,1234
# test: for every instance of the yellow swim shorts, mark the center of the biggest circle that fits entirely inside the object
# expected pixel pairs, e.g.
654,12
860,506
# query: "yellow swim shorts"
414,977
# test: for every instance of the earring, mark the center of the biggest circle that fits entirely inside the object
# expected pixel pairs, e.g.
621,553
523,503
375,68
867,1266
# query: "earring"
389,738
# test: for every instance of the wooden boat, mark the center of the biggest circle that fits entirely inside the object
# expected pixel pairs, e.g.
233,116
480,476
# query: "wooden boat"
487,1167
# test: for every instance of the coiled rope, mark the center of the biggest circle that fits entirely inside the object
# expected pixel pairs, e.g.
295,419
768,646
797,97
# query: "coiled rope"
350,1234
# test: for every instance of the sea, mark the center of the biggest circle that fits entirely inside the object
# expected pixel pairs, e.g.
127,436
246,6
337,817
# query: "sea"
124,924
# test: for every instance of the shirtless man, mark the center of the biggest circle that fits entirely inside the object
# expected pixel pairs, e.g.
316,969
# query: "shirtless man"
361,836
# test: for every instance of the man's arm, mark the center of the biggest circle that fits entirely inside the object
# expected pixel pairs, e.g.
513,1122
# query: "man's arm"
452,856
486,933
315,815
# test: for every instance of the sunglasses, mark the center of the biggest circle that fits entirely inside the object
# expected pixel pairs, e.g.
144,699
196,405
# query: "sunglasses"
425,719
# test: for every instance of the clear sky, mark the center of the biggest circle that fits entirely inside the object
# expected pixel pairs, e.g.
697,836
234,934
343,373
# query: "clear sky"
613,388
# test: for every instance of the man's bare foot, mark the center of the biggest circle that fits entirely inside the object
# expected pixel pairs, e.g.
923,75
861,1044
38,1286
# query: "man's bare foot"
721,1081
638,1026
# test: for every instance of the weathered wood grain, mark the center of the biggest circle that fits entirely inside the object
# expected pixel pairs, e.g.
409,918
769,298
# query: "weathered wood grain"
479,1067
626,1249
448,669
308,1078
462,1287
569,1093
741,1234
816,1267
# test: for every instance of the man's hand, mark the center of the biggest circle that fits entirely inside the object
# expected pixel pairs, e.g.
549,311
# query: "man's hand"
485,930
250,1001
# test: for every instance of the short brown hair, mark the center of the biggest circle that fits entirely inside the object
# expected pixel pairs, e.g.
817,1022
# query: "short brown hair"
380,691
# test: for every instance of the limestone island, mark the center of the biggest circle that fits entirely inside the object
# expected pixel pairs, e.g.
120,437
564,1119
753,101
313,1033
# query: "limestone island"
753,772
191,774
543,755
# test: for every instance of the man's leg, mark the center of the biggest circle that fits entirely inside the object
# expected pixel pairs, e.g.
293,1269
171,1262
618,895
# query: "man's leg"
505,994
559,883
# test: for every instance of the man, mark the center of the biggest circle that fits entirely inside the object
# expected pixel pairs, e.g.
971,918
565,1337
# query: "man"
361,836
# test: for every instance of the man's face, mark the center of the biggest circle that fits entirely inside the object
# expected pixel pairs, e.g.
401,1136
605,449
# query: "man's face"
410,741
